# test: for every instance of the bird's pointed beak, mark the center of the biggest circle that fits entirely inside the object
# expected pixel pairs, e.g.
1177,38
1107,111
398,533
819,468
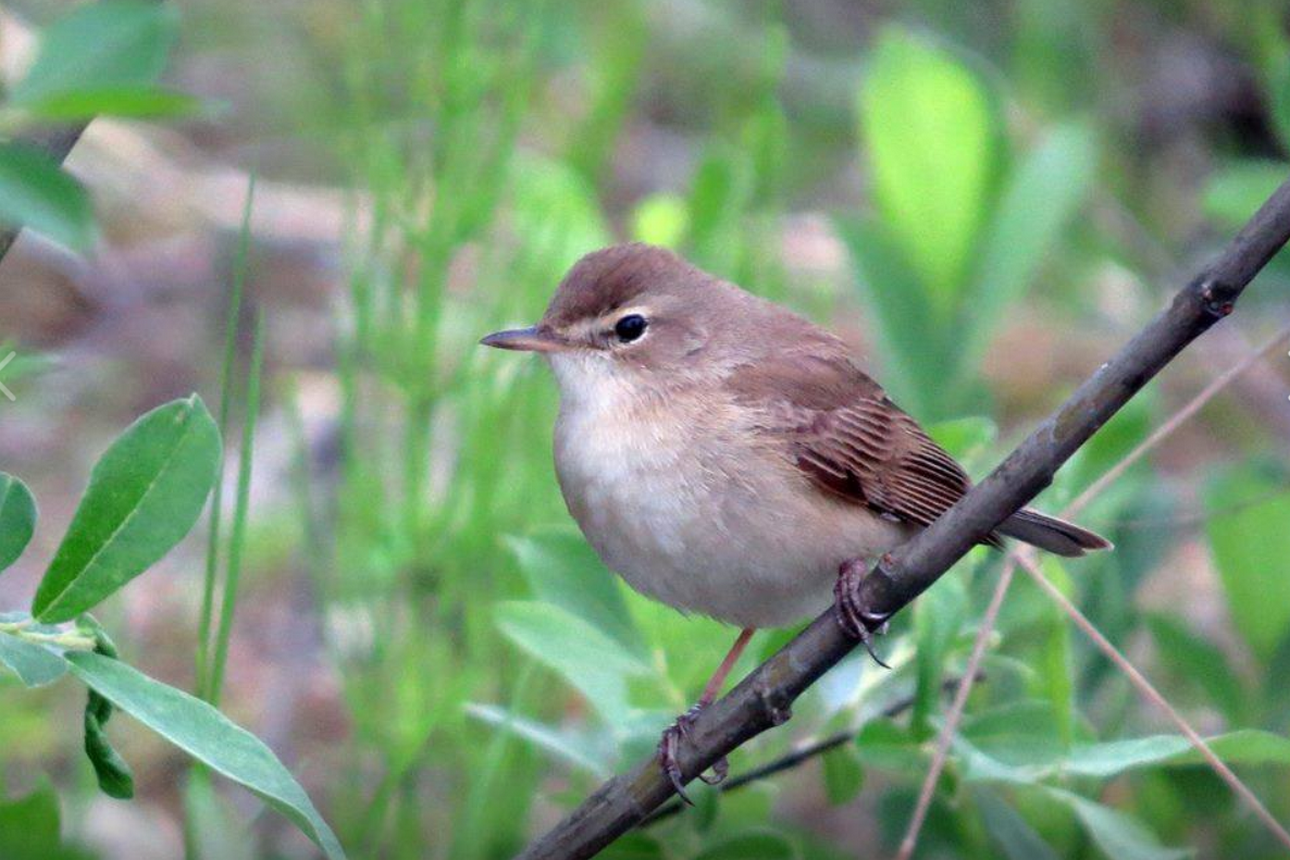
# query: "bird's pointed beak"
532,339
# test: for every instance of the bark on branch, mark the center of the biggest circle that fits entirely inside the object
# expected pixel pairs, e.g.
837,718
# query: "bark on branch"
764,699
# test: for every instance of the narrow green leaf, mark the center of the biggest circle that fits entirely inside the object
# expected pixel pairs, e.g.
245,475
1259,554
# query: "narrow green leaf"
588,659
931,134
1042,195
1251,544
1056,680
124,100
17,518
563,570
557,742
1195,660
1112,758
1120,836
145,493
1018,733
34,664
1012,833
843,774
101,44
206,735
37,193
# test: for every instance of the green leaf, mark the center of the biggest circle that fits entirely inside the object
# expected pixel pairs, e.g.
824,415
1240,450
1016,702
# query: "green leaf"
99,45
128,101
17,518
843,774
1251,544
762,845
1041,196
930,130
561,744
588,659
1111,758
563,570
1056,680
145,493
34,664
1010,831
206,735
1195,660
37,193
1118,835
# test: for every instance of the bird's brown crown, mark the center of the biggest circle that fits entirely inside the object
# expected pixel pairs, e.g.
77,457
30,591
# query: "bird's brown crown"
616,277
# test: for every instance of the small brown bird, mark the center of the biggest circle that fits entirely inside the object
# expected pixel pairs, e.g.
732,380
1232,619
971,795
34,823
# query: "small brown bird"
726,456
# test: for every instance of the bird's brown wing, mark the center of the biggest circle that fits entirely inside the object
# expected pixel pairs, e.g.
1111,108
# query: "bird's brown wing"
843,432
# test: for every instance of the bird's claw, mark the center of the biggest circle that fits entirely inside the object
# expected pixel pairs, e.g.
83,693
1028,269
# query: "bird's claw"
668,746
856,620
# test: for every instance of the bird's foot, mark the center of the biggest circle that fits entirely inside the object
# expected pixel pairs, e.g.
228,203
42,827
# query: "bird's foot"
667,750
855,619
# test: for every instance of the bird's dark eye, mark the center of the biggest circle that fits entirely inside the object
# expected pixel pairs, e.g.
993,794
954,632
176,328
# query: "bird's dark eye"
630,327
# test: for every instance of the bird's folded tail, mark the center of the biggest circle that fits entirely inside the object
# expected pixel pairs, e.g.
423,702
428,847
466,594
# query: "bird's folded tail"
1051,534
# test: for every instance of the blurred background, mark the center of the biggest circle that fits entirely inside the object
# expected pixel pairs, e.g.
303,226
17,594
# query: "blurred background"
986,199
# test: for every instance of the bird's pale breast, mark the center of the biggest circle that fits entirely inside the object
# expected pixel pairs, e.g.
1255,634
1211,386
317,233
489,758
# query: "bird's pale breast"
682,501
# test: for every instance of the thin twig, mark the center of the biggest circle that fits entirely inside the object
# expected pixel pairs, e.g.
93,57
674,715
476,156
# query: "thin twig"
764,699
1178,419
946,736
1153,695
955,714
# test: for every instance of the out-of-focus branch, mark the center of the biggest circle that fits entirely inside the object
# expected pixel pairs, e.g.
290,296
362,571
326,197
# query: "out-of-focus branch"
56,143
764,699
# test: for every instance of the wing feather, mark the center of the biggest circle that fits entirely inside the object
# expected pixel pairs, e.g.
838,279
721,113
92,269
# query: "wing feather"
843,432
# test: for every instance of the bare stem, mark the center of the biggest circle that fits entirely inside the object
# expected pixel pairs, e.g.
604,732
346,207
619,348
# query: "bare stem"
946,736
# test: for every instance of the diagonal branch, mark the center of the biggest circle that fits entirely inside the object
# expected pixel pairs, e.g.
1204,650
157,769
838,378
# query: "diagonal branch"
955,713
764,699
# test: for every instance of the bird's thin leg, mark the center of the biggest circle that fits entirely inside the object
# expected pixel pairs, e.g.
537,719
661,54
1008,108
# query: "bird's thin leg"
853,616
672,735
